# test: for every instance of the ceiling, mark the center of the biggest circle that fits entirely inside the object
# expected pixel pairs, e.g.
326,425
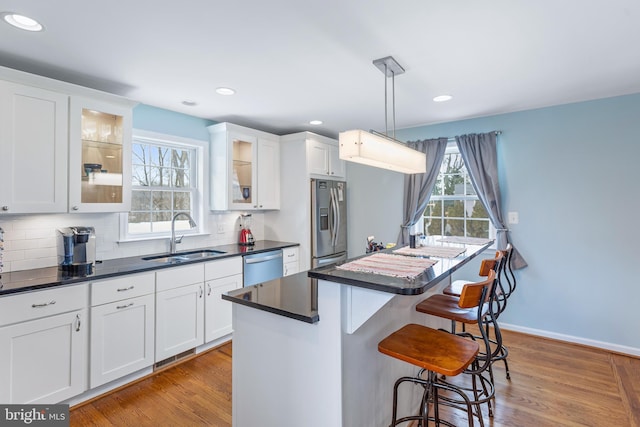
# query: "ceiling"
292,61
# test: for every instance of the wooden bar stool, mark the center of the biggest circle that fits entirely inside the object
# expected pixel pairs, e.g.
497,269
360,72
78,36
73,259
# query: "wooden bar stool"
504,289
439,352
448,307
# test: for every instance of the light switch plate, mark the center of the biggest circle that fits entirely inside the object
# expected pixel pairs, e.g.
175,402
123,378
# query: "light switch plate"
514,218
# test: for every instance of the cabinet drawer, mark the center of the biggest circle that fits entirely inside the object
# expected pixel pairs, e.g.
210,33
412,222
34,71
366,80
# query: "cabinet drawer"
176,277
289,254
290,268
223,268
130,286
33,305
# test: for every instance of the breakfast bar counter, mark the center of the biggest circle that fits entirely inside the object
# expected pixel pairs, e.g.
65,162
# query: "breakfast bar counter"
290,371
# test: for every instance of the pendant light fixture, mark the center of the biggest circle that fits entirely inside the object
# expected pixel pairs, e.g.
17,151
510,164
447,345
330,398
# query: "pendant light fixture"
381,150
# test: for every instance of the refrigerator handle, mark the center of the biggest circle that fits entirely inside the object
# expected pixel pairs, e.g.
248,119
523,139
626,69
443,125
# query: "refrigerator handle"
334,207
326,261
337,203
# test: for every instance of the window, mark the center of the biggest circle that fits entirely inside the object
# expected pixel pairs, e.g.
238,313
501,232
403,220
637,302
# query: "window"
454,208
164,183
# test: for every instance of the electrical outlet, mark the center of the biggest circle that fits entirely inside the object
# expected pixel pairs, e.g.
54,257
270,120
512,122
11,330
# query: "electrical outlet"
220,228
514,218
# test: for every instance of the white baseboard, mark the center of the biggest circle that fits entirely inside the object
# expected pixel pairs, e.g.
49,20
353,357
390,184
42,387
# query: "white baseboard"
576,340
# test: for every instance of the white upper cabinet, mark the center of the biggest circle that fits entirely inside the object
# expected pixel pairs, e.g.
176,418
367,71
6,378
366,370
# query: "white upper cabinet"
63,148
323,157
99,156
245,168
33,149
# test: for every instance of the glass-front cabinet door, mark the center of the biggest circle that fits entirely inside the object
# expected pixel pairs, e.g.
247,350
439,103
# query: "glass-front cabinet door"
100,156
243,151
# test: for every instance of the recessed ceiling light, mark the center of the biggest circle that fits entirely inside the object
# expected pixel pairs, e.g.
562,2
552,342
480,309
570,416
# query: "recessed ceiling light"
442,98
22,22
189,103
315,122
225,91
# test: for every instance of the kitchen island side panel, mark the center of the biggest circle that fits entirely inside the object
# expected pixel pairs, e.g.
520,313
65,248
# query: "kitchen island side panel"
287,372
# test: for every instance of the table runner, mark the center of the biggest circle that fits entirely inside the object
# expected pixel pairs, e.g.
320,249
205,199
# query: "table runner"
465,240
389,265
437,251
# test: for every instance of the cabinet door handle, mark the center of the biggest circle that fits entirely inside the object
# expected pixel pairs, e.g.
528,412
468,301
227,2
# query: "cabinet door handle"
75,208
208,289
5,208
45,304
201,292
120,307
78,322
125,289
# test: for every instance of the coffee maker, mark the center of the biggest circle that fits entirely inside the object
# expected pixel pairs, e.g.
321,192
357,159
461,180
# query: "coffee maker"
77,250
246,237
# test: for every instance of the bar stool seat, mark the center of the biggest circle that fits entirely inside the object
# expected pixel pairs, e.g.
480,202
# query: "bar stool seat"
430,349
447,306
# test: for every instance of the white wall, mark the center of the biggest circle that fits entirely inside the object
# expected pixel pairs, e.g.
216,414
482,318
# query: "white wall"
572,173
374,206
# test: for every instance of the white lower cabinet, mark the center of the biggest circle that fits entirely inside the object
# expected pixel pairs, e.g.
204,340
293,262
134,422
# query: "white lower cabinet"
43,346
221,276
179,310
218,311
290,264
122,327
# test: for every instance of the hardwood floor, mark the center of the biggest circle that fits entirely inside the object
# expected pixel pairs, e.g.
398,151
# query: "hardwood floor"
552,384
194,393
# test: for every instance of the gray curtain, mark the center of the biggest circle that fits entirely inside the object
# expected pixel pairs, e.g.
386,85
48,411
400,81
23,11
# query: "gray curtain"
418,187
481,159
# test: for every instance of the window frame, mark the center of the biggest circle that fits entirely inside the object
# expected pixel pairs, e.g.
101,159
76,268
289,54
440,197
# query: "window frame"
198,168
452,148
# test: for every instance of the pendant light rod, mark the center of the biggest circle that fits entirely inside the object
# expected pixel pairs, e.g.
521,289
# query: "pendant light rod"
390,68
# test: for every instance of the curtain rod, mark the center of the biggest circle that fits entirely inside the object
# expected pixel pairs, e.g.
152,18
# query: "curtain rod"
453,138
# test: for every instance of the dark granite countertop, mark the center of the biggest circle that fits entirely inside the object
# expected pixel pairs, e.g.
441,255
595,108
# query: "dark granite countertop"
294,296
42,278
398,285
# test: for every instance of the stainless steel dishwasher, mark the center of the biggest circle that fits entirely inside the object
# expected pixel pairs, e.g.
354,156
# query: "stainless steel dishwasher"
262,267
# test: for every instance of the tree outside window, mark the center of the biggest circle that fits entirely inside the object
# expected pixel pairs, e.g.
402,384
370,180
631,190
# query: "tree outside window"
163,185
454,208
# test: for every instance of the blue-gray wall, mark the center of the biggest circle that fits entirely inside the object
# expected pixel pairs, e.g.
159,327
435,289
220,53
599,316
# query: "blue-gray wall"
571,172
168,122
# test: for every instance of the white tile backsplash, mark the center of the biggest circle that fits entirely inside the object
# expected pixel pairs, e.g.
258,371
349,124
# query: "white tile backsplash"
31,240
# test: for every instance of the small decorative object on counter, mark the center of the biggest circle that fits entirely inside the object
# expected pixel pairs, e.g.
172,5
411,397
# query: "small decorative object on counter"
373,246
246,237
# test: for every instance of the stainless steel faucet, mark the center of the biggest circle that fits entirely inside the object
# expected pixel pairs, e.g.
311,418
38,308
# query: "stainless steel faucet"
174,241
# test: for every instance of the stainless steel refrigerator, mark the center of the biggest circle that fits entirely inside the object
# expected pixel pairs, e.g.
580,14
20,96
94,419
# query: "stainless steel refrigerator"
328,222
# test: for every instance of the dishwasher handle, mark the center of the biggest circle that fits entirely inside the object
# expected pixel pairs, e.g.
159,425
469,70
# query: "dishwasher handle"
262,259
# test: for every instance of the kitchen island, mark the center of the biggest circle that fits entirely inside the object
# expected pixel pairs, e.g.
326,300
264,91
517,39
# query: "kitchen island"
327,372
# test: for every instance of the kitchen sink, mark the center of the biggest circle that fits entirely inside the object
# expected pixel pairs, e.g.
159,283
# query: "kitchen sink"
183,256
